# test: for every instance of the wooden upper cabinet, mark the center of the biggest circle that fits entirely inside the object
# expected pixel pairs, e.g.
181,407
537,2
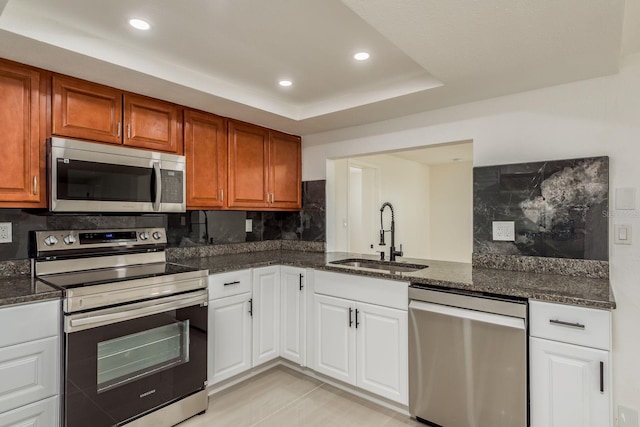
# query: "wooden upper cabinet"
151,124
94,112
205,141
22,164
285,170
264,168
86,110
248,166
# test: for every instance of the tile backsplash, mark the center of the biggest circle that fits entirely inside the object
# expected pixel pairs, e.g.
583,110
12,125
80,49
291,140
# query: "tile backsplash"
193,228
559,208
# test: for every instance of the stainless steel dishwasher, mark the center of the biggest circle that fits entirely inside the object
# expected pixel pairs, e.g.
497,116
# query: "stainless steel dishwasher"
467,359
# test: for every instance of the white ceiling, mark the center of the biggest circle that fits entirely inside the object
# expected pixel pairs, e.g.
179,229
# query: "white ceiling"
226,56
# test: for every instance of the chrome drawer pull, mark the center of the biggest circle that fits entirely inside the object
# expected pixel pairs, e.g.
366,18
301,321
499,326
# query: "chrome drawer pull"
568,324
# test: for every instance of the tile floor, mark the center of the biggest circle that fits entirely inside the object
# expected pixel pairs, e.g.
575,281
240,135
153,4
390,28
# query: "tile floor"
282,397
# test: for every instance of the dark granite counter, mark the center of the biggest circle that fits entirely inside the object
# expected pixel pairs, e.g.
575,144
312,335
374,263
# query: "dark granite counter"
24,289
587,292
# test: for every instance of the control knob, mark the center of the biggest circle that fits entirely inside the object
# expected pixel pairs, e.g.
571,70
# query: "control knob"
50,240
144,235
157,235
69,239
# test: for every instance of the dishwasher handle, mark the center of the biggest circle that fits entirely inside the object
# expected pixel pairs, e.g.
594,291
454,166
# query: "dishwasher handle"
478,316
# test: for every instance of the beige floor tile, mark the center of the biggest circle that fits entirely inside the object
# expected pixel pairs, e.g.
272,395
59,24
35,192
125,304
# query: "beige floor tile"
282,397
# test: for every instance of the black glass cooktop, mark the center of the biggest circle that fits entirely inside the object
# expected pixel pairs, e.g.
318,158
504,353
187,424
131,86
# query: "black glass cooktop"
113,275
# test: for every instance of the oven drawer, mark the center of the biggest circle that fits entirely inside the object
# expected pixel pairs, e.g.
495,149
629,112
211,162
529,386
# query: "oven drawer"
29,372
571,324
229,284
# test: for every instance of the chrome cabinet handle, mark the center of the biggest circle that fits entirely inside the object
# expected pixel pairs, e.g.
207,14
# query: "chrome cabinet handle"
222,194
119,128
567,324
35,184
129,130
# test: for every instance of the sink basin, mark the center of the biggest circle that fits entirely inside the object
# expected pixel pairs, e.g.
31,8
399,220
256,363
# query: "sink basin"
386,266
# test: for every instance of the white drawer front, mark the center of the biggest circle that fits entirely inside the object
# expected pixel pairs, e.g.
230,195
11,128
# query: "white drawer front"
229,284
30,322
29,372
387,293
40,414
589,327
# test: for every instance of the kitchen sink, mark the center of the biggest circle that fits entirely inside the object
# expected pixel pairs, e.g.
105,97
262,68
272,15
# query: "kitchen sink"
386,266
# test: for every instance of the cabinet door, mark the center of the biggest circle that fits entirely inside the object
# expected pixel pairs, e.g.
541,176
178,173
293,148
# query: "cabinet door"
86,110
565,384
285,171
42,413
229,339
382,351
205,142
293,320
151,124
22,163
248,166
266,314
335,338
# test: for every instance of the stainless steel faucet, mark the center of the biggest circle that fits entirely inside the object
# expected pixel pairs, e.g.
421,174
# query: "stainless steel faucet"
392,250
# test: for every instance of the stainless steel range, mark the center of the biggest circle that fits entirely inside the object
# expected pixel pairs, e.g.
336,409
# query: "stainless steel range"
135,327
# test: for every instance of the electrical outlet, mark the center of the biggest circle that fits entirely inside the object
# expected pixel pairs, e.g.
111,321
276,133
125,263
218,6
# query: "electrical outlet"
5,232
627,417
504,231
248,226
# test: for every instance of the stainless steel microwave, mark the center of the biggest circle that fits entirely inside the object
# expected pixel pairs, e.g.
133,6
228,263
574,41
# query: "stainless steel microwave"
91,177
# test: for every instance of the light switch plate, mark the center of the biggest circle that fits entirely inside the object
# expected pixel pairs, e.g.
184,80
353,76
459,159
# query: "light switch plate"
5,232
248,225
627,417
504,231
622,234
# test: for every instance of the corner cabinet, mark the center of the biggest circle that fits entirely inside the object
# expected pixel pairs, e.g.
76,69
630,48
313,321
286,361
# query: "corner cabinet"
22,165
264,168
361,338
94,112
205,143
570,366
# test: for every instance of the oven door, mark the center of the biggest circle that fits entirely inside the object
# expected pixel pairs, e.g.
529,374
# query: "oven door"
123,362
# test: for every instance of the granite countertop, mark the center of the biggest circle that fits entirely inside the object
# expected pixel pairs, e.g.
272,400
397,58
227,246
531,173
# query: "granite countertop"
587,292
24,289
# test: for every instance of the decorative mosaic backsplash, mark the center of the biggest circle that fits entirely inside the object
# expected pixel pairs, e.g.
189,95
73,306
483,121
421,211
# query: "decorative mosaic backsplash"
559,208
193,228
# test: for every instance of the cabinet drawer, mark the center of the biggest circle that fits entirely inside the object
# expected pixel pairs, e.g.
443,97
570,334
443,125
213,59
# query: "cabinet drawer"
228,284
29,373
575,325
43,413
37,320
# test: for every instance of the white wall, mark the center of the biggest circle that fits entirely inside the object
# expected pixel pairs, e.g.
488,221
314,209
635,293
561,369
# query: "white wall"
587,118
451,212
404,184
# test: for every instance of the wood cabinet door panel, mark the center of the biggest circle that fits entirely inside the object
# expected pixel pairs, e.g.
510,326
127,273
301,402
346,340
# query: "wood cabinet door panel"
20,175
151,124
248,162
86,110
285,171
205,140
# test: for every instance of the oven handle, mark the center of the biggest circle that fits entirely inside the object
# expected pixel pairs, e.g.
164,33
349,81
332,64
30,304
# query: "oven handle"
82,321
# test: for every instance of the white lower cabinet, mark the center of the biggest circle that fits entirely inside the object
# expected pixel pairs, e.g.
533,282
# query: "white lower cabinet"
569,366
30,365
566,385
362,344
229,337
266,314
293,318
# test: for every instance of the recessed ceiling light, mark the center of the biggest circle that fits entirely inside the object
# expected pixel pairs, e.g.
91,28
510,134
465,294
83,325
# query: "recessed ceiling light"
361,56
139,24
285,83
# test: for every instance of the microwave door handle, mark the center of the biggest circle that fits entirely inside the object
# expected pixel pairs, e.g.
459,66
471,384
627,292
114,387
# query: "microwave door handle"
158,180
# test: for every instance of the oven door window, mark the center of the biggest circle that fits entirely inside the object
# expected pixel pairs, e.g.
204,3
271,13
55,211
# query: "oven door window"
128,358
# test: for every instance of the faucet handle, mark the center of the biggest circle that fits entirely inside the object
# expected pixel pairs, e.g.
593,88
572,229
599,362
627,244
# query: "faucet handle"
400,253
382,256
